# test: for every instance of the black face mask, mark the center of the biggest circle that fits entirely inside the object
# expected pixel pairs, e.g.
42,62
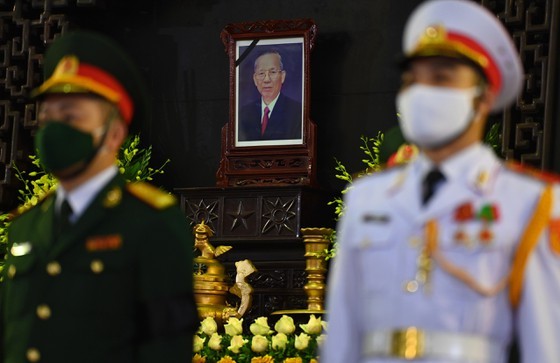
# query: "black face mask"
65,151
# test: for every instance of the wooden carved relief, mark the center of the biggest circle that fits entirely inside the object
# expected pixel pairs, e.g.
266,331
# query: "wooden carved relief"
526,127
26,29
253,213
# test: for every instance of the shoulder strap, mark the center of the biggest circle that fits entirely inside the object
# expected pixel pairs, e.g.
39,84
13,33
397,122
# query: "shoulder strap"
151,195
529,241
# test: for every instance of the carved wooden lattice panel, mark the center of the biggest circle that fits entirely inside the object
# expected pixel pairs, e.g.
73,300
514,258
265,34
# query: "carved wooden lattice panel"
26,29
527,126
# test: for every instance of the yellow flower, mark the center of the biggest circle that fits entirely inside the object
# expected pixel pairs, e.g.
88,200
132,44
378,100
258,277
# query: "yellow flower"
209,326
285,325
226,359
313,326
215,342
236,343
259,344
293,360
198,359
265,359
313,360
302,341
260,327
234,326
198,343
279,341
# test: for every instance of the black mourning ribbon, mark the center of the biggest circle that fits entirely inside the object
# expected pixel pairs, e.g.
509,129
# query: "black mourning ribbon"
430,183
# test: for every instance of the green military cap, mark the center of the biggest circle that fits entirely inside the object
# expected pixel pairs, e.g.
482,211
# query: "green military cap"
88,62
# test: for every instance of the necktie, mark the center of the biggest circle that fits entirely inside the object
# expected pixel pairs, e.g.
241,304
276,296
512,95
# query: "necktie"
264,120
429,186
63,218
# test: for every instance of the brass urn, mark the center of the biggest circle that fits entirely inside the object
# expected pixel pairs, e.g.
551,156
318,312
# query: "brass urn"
211,285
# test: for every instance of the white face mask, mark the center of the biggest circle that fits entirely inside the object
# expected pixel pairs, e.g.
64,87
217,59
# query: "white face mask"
432,116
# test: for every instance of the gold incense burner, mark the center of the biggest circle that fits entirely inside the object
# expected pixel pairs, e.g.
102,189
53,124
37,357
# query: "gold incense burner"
211,285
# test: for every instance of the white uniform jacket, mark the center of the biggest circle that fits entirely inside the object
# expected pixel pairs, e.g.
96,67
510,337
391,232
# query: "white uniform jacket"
483,213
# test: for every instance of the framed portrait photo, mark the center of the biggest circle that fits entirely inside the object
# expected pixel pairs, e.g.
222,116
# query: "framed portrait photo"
269,138
270,92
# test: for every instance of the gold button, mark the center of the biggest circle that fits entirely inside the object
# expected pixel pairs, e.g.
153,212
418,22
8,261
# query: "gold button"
43,312
96,266
53,268
411,286
11,271
33,355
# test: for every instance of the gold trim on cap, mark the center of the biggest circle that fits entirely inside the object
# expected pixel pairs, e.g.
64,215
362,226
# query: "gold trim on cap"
65,79
435,42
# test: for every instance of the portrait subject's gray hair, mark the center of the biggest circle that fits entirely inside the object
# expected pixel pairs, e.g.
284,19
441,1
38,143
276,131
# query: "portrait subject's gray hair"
269,52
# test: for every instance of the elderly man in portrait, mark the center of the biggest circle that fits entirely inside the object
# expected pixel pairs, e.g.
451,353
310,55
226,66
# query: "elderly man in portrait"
273,116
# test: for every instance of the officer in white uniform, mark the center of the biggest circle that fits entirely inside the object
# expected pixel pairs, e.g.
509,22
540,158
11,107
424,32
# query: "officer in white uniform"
450,257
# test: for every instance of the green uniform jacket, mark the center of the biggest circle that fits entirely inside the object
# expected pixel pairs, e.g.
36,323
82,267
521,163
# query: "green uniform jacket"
114,287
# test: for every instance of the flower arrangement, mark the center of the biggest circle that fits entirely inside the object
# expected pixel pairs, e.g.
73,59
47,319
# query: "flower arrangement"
263,345
133,162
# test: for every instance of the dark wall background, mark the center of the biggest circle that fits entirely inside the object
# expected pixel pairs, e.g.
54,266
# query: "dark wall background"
353,79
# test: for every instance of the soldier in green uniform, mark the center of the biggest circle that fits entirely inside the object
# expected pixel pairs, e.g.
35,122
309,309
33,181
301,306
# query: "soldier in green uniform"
100,270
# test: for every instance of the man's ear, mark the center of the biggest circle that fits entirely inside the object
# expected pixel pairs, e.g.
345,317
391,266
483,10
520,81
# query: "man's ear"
116,135
283,76
483,104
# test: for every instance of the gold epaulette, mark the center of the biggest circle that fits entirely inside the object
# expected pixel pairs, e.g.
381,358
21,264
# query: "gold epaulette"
544,176
151,195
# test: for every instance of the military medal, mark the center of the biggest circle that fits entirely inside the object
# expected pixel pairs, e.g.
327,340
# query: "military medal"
487,214
463,213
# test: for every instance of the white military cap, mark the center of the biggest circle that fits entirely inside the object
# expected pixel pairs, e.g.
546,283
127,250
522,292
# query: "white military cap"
462,28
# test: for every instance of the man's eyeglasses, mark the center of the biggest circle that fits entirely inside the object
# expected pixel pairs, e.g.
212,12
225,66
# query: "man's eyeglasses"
272,74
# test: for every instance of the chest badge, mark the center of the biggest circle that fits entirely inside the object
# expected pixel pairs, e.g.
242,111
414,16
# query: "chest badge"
488,214
463,214
104,243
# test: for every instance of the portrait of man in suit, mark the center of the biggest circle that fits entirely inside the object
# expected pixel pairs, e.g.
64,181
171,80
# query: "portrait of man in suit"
274,114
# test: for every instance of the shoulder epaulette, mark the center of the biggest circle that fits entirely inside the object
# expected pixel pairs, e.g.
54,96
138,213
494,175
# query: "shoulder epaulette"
151,195
544,176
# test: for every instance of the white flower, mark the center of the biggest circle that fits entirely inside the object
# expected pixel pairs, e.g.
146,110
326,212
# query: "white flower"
285,325
234,326
259,344
198,343
279,341
236,343
260,327
313,326
302,341
215,342
209,326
